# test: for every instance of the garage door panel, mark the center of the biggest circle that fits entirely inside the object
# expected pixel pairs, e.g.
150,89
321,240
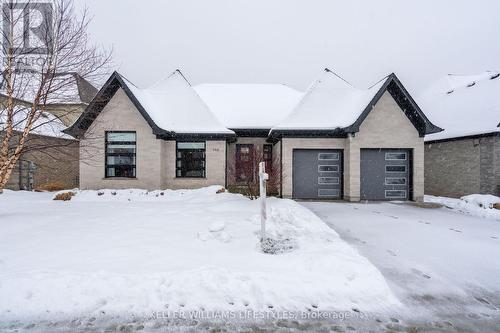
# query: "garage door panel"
317,174
385,174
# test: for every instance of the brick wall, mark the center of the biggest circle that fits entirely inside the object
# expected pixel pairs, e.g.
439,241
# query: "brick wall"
460,167
56,161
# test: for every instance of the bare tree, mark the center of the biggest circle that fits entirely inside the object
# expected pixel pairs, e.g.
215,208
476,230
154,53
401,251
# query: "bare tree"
35,76
246,175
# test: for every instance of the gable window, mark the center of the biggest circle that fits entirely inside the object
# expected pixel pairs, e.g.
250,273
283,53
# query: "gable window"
245,162
190,160
120,154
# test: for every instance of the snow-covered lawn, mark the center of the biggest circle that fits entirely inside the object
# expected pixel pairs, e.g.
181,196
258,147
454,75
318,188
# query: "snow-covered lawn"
122,253
443,264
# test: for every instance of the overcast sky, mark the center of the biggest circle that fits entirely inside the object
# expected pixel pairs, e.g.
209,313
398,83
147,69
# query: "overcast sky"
291,41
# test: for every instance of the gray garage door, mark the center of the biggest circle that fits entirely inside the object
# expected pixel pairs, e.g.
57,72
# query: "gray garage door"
385,174
317,174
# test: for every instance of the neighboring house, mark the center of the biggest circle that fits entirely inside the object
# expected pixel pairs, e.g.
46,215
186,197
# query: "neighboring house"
333,141
50,156
465,157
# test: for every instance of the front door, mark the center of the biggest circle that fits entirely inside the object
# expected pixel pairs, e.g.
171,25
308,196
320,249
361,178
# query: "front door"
245,162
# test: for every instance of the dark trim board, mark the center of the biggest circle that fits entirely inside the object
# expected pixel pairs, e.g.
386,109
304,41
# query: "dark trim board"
336,133
466,137
251,132
404,101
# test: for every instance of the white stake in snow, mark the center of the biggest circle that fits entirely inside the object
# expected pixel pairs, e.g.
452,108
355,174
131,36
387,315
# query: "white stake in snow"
263,177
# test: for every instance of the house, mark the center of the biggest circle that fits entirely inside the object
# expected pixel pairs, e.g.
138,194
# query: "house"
333,141
465,157
50,157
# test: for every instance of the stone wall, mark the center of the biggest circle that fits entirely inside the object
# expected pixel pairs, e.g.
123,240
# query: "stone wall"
456,168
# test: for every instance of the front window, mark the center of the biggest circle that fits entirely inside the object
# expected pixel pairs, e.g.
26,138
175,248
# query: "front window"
120,154
190,160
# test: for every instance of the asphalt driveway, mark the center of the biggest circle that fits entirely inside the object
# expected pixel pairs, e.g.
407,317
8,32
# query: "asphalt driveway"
444,266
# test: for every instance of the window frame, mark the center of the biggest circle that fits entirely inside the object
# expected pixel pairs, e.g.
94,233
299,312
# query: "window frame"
336,166
396,159
177,159
399,197
337,191
387,184
336,180
336,158
396,165
106,154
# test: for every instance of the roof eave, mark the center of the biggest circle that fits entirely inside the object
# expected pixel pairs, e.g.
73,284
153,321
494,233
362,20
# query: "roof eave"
420,121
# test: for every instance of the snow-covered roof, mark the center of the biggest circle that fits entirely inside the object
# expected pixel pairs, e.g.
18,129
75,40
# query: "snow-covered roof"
172,106
244,106
463,105
329,103
65,88
175,106
47,124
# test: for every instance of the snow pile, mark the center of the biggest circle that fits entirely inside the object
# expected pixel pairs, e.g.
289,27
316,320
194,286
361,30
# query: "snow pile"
175,106
474,204
463,105
329,103
134,252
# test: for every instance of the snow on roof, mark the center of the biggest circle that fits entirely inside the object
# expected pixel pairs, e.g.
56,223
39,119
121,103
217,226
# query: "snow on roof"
175,106
47,124
258,106
329,103
463,105
65,88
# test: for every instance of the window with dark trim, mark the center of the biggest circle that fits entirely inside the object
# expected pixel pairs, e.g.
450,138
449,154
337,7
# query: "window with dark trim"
120,154
190,160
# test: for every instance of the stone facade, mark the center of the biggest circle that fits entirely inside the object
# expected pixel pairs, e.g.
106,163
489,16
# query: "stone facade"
386,126
458,167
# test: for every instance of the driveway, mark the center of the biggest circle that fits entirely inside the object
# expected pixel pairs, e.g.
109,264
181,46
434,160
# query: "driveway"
443,266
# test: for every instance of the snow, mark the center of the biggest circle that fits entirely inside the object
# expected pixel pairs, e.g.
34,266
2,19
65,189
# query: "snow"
175,106
65,88
329,103
121,252
47,124
460,108
241,106
473,204
443,266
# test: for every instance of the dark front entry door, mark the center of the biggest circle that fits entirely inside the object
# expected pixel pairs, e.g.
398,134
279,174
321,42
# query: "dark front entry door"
385,174
317,174
245,162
